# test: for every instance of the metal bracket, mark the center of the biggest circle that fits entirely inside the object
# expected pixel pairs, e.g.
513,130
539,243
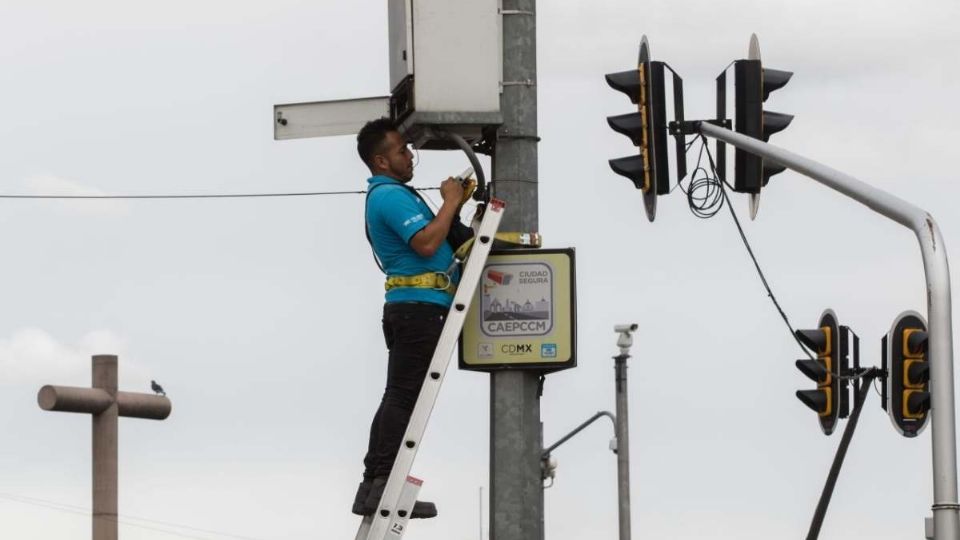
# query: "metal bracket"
526,82
692,127
498,180
546,453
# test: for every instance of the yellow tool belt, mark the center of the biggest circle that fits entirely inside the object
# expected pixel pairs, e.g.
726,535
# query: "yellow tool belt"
438,281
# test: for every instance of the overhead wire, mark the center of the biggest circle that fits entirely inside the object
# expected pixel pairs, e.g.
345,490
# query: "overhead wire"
711,202
703,191
125,519
212,195
201,195
433,204
61,508
706,195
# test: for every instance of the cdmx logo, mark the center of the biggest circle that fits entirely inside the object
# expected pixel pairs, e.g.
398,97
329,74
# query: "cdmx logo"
517,348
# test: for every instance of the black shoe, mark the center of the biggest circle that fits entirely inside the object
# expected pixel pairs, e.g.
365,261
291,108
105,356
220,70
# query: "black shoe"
359,500
421,509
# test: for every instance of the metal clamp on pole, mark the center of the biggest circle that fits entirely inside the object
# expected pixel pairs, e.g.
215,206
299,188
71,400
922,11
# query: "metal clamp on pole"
692,127
528,82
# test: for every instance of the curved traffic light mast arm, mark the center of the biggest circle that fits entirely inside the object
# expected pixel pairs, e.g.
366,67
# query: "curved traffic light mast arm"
943,421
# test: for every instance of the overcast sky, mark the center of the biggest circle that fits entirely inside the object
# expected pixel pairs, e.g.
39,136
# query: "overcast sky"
261,316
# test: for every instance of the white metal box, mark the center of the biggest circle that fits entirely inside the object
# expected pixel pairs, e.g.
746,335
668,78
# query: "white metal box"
445,76
445,62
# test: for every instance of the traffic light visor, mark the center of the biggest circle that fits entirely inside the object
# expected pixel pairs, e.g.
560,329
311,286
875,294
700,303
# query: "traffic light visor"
631,125
914,342
633,168
774,79
774,122
916,373
916,403
627,82
818,400
816,340
813,369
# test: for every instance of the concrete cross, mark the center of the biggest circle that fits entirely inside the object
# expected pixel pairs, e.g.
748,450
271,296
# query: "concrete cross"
105,404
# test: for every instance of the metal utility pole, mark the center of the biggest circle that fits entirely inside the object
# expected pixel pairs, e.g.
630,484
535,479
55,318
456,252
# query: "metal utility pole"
516,438
105,404
946,519
623,426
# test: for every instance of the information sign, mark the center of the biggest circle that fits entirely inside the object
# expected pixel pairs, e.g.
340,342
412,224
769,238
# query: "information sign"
524,314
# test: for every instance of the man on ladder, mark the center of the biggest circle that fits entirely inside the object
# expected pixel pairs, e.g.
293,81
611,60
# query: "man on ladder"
411,246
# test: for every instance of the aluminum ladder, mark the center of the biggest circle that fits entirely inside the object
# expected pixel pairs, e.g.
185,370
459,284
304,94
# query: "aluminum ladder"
389,522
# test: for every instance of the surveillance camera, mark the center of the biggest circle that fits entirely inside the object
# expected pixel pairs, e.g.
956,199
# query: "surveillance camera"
625,341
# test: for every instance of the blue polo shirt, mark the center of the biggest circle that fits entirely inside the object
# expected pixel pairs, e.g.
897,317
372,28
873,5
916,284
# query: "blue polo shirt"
394,215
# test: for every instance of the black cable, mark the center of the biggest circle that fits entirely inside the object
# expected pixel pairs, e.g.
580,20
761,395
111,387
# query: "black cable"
877,390
710,206
821,511
703,194
432,203
199,196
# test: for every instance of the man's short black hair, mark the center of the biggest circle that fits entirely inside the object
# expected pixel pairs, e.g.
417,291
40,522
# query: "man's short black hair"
371,137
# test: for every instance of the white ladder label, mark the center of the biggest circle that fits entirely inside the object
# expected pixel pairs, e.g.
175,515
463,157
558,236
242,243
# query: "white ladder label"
400,493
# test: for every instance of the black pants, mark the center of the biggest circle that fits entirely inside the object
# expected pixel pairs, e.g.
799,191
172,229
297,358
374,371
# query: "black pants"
411,331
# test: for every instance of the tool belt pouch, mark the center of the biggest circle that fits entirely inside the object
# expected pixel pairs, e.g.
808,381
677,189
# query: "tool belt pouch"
459,233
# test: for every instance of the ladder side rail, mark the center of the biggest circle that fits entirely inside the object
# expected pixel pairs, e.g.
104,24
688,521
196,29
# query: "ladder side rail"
408,497
382,521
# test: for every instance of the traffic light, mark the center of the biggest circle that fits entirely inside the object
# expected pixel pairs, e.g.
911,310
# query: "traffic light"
647,128
829,400
753,85
907,389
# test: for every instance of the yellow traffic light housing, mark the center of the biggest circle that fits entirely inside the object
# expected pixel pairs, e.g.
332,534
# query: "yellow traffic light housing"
638,126
647,127
916,400
827,342
907,388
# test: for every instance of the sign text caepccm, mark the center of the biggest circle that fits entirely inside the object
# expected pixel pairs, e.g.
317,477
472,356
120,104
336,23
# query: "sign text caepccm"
524,314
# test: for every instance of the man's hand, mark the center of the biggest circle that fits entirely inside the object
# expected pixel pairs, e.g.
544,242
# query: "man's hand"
451,191
429,238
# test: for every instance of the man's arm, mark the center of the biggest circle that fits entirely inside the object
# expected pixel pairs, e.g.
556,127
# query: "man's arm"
428,239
